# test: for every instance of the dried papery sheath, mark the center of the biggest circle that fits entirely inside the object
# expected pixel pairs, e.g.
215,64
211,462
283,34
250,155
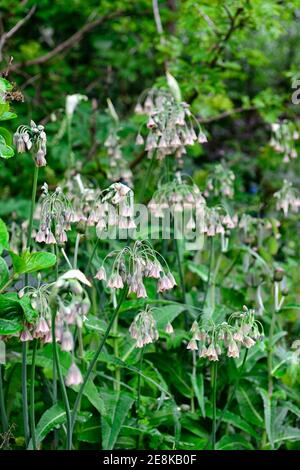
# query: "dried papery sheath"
131,266
170,124
213,340
287,198
284,135
143,329
32,138
55,214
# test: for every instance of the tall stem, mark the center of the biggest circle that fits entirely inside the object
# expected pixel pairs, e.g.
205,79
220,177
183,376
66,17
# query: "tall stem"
62,383
211,257
24,345
4,421
96,355
271,334
24,393
32,413
214,403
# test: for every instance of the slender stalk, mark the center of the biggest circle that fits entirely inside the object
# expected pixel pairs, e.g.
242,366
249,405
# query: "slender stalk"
271,334
76,250
32,411
4,420
92,256
24,393
138,401
24,345
211,256
62,384
95,358
70,153
145,183
117,384
214,403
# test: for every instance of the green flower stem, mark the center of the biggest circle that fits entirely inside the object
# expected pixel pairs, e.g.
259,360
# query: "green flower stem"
92,256
24,345
24,393
95,358
214,370
271,335
4,421
211,258
76,250
32,411
62,383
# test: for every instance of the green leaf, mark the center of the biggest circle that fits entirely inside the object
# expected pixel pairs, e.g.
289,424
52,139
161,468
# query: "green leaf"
5,150
233,443
10,327
6,135
198,386
248,409
4,237
96,324
201,271
93,395
117,407
4,274
29,313
10,308
32,262
7,115
164,315
53,417
269,412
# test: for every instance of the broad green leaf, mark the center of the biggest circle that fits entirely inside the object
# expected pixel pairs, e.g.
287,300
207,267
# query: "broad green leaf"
4,274
200,270
5,150
10,327
10,308
248,409
198,386
29,313
7,115
52,418
96,324
4,237
94,397
6,135
117,407
164,315
32,262
233,443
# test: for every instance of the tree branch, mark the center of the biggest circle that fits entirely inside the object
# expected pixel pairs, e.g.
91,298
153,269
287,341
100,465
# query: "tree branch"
14,29
68,43
225,114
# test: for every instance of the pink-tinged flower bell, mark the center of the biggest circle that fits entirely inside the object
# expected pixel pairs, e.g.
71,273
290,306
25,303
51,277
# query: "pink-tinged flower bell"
203,352
101,274
115,282
212,353
169,328
25,336
171,279
238,335
74,376
192,345
50,239
67,343
233,350
41,329
40,237
248,342
40,159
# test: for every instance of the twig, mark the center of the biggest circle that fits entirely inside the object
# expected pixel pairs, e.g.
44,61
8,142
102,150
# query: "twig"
225,114
157,16
14,29
68,43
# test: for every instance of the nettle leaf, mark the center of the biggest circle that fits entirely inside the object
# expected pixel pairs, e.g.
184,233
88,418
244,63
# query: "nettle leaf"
10,308
5,150
51,419
117,407
4,237
4,274
10,327
29,313
32,262
164,315
93,395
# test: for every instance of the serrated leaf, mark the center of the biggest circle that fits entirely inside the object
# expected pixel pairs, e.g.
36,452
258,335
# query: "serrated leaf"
52,418
117,407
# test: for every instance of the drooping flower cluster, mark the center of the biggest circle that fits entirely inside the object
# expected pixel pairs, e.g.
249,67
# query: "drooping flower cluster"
55,215
288,198
211,340
132,265
40,326
32,138
255,229
177,196
82,197
221,182
143,329
170,124
113,208
218,221
72,305
284,135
